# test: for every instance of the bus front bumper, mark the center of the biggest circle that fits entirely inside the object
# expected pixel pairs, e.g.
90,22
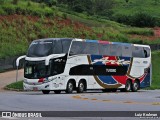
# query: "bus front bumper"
34,87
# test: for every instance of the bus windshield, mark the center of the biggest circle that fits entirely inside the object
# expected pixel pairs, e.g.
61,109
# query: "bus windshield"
48,47
36,70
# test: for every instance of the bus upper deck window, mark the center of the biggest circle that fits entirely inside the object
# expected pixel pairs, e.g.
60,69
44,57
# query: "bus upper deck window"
146,52
141,52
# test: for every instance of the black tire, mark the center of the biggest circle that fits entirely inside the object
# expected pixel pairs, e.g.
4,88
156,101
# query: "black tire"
135,86
45,91
128,86
70,87
106,90
123,90
57,91
81,87
114,90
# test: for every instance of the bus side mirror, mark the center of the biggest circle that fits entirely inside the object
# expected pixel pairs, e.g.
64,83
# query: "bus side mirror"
18,59
17,65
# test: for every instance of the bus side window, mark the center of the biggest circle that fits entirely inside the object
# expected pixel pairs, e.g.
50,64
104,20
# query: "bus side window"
126,51
138,52
91,48
104,49
115,50
77,48
65,45
146,52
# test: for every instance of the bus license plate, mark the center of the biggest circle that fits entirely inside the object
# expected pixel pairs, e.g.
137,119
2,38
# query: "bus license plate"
35,89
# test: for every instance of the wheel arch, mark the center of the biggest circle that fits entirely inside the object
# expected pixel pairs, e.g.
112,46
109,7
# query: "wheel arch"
73,81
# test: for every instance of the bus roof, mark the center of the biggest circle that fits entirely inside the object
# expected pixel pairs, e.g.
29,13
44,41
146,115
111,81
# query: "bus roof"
88,40
51,39
108,42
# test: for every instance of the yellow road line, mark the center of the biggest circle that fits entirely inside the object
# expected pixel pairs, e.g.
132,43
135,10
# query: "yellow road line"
113,101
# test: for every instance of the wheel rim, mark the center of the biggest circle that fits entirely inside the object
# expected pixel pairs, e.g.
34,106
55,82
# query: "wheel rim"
128,86
81,86
70,86
135,85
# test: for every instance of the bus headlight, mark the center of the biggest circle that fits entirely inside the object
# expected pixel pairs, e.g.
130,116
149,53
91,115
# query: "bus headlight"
45,80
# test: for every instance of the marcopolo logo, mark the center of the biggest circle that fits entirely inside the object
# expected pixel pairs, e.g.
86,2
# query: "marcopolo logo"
20,114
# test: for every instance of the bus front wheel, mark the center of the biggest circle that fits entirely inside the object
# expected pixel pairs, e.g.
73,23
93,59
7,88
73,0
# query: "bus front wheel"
45,91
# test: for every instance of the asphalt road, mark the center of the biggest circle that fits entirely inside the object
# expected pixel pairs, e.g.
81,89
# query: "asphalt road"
90,101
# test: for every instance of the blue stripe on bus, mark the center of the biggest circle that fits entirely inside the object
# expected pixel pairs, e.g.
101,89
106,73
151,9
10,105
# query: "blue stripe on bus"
95,41
107,79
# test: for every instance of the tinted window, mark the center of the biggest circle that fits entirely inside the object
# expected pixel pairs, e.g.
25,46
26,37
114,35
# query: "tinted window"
115,50
48,47
40,49
91,48
138,52
104,49
57,47
146,51
126,51
84,48
77,47
98,70
65,45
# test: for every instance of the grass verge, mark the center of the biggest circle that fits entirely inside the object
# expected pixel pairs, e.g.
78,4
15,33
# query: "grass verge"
17,86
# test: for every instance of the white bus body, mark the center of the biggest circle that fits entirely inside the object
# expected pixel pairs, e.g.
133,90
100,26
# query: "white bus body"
75,64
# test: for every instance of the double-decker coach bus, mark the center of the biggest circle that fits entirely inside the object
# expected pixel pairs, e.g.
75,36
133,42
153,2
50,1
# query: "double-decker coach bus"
63,64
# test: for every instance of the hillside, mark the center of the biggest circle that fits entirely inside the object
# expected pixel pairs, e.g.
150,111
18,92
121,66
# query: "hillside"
151,7
23,21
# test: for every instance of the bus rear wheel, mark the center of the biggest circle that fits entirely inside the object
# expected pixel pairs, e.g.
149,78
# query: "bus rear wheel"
45,91
57,91
70,87
128,86
135,86
81,87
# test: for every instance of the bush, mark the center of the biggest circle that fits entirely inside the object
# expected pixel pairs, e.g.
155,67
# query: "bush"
9,9
1,2
143,20
138,20
15,2
125,19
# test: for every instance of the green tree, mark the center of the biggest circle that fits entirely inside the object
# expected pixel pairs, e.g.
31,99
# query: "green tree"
127,1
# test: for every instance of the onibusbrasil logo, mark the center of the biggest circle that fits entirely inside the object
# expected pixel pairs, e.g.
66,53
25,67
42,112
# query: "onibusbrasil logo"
21,114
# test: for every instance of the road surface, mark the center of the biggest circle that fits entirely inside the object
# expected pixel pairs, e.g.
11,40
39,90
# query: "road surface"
90,101
144,100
